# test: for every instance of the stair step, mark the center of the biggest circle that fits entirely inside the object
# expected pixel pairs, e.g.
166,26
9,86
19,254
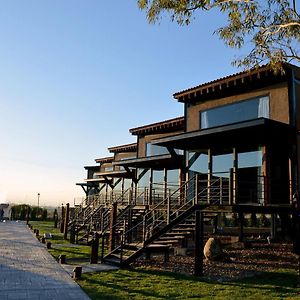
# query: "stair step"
170,238
168,242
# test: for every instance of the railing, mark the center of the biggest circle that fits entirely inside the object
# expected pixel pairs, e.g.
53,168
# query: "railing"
167,210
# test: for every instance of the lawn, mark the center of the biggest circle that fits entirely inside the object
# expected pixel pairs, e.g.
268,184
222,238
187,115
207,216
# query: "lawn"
152,284
74,253
143,283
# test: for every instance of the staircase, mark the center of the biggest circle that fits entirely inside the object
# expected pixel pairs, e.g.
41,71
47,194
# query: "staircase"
169,222
93,214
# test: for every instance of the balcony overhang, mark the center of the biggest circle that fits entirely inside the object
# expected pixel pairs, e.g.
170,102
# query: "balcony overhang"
97,180
158,162
117,174
254,132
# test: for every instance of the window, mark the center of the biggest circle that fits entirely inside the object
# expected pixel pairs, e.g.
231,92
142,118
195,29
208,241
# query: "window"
236,112
152,150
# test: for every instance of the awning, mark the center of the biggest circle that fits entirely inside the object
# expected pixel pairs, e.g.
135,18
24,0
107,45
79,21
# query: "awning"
97,180
254,132
116,174
158,162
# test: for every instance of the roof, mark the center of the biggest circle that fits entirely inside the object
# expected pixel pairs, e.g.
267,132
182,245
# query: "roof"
238,82
95,168
158,162
116,174
123,148
104,159
252,132
170,125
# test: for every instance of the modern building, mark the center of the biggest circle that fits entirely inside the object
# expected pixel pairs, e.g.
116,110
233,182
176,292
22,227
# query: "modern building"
235,150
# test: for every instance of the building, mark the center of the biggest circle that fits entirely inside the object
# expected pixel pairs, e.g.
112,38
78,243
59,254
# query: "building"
235,150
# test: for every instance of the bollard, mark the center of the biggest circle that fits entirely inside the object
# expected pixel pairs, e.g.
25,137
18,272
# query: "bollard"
48,245
77,272
34,230
37,232
43,240
62,259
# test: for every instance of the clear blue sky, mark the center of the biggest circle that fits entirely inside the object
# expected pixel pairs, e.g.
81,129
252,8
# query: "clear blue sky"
75,75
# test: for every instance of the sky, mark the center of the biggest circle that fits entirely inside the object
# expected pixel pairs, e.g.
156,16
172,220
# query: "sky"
76,75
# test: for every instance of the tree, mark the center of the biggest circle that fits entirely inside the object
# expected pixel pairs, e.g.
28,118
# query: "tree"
272,26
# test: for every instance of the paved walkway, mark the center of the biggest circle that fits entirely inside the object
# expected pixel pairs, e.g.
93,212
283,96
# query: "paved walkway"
28,271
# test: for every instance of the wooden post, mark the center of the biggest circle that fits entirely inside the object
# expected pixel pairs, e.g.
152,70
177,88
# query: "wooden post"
62,221
150,201
129,225
72,233
241,224
168,209
198,268
113,216
209,176
94,249
235,177
77,271
102,246
231,186
165,183
62,259
196,190
27,215
66,223
273,226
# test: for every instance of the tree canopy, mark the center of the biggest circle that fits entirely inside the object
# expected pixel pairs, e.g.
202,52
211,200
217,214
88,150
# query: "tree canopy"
272,26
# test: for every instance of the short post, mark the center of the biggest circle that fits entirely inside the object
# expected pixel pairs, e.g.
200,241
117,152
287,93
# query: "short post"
48,245
94,249
62,259
66,223
77,271
37,232
43,240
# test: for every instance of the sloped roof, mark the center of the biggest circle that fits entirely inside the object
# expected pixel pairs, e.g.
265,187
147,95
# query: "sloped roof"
123,148
159,127
250,79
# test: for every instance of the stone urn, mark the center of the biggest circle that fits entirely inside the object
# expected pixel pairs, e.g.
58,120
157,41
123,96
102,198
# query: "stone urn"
213,249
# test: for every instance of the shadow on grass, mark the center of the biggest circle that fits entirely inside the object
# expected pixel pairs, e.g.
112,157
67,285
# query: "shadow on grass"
282,284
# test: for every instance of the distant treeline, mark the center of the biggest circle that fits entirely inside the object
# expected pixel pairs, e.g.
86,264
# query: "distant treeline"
19,212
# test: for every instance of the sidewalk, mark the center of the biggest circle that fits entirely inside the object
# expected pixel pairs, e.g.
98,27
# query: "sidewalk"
28,271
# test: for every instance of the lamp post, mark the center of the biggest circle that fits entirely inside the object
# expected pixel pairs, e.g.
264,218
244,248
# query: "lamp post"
38,200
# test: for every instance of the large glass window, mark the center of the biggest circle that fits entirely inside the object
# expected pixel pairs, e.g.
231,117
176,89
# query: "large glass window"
198,163
236,112
152,150
221,164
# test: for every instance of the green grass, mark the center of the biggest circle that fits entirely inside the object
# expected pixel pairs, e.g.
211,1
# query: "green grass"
151,284
143,283
74,253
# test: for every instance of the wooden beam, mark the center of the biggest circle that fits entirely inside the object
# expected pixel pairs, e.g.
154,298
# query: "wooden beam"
198,267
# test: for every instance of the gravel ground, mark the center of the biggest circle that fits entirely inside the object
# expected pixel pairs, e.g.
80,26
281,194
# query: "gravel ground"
240,263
